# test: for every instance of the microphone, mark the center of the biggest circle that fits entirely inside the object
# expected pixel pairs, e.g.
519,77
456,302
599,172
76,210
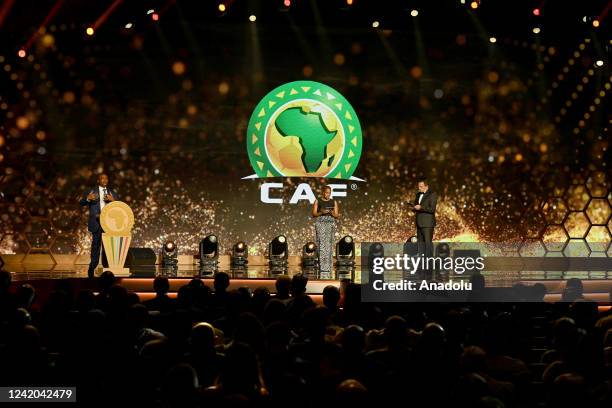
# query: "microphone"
105,193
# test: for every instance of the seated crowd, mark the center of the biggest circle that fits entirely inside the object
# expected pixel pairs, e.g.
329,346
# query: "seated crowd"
216,347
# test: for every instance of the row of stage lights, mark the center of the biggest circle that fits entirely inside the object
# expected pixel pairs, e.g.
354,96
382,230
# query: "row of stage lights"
223,8
278,253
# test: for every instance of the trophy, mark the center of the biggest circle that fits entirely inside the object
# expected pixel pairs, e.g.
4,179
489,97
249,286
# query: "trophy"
117,220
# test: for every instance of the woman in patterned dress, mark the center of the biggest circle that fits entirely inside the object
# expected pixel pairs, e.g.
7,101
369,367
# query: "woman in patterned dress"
325,211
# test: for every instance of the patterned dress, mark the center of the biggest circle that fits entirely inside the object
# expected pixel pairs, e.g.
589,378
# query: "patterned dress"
325,228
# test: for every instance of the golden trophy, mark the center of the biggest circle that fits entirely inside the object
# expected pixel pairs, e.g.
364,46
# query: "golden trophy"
117,220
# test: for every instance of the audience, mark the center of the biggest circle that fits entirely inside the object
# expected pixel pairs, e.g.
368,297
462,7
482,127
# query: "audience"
230,347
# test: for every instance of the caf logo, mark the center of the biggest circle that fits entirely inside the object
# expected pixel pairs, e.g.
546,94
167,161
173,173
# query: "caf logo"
304,129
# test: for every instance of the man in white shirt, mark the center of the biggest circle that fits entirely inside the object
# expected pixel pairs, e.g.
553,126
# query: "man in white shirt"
96,199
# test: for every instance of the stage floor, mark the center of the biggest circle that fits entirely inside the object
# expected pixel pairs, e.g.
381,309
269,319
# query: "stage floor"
496,278
597,285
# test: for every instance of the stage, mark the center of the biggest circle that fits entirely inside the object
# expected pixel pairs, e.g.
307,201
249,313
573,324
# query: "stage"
597,284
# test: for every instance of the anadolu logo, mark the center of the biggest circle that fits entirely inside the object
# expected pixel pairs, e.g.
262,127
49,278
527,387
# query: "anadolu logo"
304,129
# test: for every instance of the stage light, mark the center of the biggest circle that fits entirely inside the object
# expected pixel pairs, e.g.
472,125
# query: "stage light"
150,11
278,252
599,63
345,251
169,254
209,251
287,3
536,11
309,255
209,247
474,5
21,53
89,31
411,246
536,30
492,40
414,13
129,25
375,24
595,23
349,2
252,18
221,7
443,250
240,254
155,17
376,250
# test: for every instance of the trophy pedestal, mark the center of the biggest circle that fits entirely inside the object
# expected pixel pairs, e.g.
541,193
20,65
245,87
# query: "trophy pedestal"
116,248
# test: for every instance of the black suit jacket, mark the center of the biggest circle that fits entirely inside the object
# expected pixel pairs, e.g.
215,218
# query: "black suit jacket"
426,216
93,221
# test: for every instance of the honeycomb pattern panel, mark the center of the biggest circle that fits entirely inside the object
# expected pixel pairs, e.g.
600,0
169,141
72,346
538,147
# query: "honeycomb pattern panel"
599,211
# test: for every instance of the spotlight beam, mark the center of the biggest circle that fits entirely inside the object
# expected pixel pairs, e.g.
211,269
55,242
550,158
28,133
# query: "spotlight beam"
104,16
601,17
324,40
399,68
5,10
56,7
306,47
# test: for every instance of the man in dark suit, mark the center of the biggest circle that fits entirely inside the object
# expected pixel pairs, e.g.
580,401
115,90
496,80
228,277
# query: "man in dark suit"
96,198
425,211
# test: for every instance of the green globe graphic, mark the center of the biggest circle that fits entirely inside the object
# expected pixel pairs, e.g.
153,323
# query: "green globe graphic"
310,130
304,129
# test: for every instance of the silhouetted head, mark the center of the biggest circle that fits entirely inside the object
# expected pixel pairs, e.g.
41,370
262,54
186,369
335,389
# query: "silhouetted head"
569,390
27,340
25,295
573,290
396,331
21,318
185,297
137,316
331,297
278,335
490,402
260,299
249,330
538,291
565,333
351,393
202,336
196,283
5,280
222,281
352,339
433,336
473,360
298,284
469,389
315,321
275,310
179,385
85,300
106,281
161,285
283,286
240,370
